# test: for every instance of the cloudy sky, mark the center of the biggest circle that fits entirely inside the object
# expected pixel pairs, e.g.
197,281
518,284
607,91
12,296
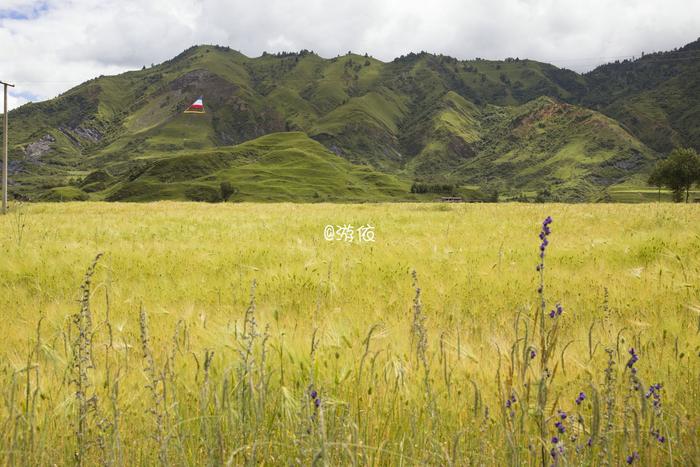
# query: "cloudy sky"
48,46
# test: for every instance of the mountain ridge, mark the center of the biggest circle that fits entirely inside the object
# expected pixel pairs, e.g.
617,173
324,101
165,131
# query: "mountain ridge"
420,117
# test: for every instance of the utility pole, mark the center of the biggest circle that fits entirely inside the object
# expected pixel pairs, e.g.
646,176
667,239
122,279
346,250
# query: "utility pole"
4,152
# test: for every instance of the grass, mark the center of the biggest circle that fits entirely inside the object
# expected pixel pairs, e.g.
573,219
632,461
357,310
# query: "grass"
276,167
205,334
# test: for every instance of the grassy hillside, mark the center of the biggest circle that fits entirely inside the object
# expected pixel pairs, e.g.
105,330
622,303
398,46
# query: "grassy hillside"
423,117
554,149
656,96
275,167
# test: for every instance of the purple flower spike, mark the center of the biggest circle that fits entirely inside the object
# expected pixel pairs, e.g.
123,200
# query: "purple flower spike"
560,426
633,358
544,233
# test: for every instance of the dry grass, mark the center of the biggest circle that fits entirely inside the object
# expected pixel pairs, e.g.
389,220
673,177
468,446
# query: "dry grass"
338,355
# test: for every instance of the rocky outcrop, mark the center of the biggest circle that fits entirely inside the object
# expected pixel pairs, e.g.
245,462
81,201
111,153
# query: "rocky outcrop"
34,151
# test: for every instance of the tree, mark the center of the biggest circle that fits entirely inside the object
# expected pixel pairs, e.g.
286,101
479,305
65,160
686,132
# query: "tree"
543,195
227,190
679,172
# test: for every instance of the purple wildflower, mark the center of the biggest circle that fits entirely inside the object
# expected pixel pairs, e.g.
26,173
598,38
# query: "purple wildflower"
655,394
555,440
656,434
632,457
313,394
544,233
557,311
533,353
581,397
633,358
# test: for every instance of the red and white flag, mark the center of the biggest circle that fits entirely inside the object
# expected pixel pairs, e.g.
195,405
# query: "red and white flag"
196,108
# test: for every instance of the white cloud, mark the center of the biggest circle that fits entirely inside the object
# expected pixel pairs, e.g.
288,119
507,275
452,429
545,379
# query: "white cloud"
56,44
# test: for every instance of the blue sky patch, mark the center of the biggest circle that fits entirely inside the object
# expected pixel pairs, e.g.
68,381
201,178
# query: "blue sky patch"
31,97
27,13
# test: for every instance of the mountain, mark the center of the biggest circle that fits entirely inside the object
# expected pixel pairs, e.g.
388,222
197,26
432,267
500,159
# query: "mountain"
295,126
657,97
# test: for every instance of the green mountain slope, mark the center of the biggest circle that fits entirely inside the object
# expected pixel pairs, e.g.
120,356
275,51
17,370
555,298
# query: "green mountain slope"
381,126
275,167
547,145
657,96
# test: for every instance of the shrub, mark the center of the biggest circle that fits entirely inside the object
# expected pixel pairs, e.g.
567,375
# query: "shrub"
227,190
203,193
441,188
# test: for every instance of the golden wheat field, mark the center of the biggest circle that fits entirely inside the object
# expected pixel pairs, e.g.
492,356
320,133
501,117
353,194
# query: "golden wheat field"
237,334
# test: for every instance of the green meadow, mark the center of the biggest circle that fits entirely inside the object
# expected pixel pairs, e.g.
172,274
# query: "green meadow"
175,333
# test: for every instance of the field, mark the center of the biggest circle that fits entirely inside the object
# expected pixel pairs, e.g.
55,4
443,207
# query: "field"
235,334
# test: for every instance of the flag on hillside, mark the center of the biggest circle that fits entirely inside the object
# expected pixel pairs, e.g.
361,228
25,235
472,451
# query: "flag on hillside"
196,108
